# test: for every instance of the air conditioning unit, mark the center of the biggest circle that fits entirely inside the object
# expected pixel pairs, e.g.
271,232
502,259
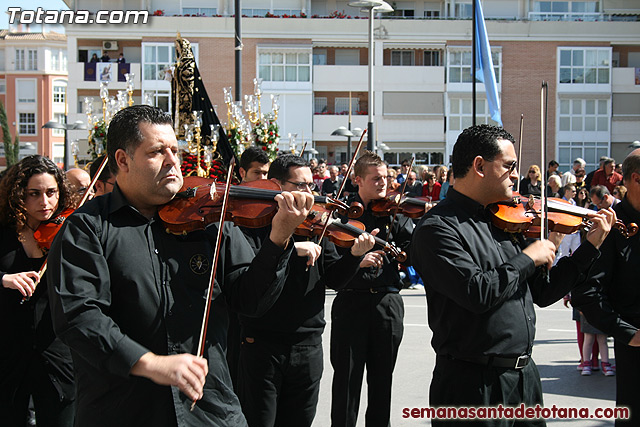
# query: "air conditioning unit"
109,45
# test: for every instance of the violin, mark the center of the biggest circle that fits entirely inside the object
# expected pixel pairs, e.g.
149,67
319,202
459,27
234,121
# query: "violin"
518,215
251,205
341,233
395,202
46,231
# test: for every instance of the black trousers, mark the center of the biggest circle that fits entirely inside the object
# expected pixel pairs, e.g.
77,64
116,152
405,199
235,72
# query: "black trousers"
234,338
463,384
627,380
51,409
366,330
278,385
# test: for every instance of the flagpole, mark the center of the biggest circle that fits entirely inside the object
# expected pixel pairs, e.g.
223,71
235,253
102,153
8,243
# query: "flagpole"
473,64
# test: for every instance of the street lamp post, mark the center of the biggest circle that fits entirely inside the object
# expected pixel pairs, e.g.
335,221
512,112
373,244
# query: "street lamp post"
371,6
54,124
343,131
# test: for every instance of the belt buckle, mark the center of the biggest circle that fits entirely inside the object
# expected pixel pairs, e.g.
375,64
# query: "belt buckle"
522,361
373,290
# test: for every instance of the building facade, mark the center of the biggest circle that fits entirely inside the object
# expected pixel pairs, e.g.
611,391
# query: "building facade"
33,84
314,54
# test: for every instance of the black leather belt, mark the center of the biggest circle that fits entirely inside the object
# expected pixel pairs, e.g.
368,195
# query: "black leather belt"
379,290
497,361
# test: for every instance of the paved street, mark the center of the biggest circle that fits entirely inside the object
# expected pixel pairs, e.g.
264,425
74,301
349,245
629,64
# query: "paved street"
555,353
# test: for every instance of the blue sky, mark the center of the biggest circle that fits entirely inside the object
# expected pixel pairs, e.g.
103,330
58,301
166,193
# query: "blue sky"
28,5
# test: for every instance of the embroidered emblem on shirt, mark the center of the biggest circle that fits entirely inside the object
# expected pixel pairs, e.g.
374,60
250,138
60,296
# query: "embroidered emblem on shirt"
199,264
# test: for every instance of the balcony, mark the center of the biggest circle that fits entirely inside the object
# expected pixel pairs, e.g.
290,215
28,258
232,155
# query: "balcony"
625,80
416,78
566,16
77,74
324,124
340,78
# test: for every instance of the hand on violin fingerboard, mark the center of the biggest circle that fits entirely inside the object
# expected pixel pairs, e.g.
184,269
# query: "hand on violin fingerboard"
602,222
364,243
293,208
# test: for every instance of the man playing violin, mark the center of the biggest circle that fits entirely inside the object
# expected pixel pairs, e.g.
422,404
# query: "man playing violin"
281,353
481,282
610,299
127,297
367,315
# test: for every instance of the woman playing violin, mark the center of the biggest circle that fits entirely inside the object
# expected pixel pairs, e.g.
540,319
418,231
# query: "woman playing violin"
34,363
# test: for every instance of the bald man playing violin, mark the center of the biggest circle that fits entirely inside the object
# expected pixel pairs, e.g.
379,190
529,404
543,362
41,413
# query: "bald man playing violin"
481,283
128,297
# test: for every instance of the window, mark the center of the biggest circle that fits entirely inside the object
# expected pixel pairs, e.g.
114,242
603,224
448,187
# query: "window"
347,57
289,12
284,67
160,98
432,58
255,12
32,59
584,115
158,59
27,123
58,60
585,66
26,90
565,10
59,117
462,11
432,14
320,105
21,59
3,86
200,11
432,158
461,112
590,151
59,94
460,66
342,105
402,57
404,13
320,57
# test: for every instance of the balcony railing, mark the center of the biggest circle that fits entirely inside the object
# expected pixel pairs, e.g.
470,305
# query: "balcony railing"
566,16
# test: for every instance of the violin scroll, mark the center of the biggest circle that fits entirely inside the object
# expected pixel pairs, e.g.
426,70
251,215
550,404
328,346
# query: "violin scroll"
626,230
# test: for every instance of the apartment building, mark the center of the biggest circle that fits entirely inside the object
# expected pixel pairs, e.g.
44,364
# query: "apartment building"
314,54
33,83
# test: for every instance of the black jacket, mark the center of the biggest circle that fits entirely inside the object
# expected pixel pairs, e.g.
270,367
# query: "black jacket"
610,299
480,286
121,287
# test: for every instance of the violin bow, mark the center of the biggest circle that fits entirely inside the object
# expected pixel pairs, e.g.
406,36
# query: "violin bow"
399,200
344,180
43,269
520,151
303,148
544,223
216,255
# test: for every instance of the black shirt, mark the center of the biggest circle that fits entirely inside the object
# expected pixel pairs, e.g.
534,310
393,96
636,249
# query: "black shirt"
526,187
480,287
388,275
29,343
329,187
122,286
610,299
297,317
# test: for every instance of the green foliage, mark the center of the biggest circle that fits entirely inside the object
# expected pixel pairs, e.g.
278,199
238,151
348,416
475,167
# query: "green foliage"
11,150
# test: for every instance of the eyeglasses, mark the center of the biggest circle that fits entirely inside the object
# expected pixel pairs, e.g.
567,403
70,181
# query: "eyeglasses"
512,166
303,186
113,184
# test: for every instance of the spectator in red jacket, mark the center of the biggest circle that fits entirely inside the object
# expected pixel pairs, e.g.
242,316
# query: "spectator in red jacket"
431,187
607,176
